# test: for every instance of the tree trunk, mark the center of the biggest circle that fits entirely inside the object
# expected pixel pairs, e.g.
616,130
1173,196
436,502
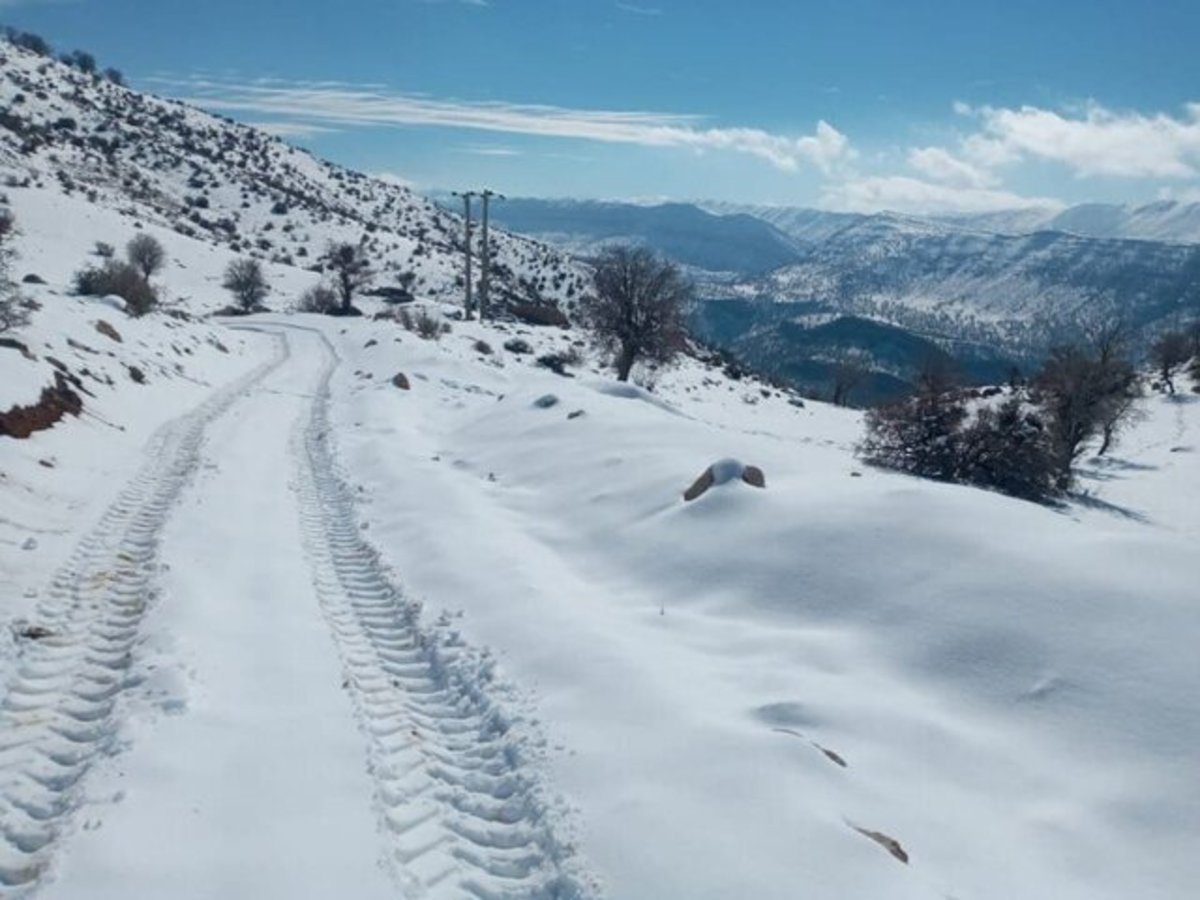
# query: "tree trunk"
625,362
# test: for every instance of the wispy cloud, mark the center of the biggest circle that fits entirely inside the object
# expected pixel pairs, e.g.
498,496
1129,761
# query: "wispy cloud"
487,150
639,10
902,193
348,106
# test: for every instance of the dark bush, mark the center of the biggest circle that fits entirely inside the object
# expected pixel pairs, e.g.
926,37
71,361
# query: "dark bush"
120,279
427,325
540,314
320,298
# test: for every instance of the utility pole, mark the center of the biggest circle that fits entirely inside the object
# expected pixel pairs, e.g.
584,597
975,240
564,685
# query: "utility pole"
485,276
466,198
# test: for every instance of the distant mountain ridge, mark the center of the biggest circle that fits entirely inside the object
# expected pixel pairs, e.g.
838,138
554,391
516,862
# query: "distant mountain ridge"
1166,221
686,233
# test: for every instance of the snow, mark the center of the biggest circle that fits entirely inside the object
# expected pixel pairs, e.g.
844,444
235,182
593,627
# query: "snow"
312,635
956,648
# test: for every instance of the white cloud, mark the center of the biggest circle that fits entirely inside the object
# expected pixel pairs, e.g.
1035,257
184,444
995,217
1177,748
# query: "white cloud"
345,106
942,166
900,193
1095,142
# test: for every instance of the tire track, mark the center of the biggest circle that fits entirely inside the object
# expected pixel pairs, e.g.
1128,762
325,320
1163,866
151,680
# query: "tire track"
463,812
62,708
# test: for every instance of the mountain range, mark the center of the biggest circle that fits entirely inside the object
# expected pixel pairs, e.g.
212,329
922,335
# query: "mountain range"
992,291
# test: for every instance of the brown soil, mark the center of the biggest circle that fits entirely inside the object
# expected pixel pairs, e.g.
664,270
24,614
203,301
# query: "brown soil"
56,401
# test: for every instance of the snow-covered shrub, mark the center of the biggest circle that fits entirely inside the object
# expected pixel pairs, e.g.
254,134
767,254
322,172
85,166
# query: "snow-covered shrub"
120,279
427,325
320,298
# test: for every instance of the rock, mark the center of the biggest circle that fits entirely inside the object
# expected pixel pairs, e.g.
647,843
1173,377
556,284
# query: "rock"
546,401
32,278
371,343
576,414
699,486
108,331
722,472
797,402
401,381
30,544
138,376
517,345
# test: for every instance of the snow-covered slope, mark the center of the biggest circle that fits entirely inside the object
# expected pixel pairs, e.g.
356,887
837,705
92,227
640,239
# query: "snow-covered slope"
741,682
163,162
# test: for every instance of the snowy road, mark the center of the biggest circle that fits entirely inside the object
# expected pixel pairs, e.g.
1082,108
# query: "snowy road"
191,730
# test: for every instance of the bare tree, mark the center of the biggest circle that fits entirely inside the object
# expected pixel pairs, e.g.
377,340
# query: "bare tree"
244,279
145,254
637,312
351,272
12,313
1084,392
1169,354
851,368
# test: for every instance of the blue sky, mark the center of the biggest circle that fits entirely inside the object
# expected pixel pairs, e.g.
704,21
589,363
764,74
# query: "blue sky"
860,104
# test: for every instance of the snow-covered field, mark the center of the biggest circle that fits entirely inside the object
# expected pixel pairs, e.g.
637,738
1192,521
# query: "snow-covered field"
848,684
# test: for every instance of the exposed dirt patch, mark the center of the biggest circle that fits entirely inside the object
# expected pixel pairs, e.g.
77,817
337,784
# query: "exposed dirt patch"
56,401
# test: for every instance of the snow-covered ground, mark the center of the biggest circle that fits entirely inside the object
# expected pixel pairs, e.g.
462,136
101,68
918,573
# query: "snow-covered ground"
847,684
1009,687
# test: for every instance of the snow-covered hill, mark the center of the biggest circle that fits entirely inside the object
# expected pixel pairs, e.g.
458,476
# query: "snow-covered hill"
165,163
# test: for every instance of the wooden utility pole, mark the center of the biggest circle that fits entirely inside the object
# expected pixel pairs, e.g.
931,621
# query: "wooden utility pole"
466,198
485,275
